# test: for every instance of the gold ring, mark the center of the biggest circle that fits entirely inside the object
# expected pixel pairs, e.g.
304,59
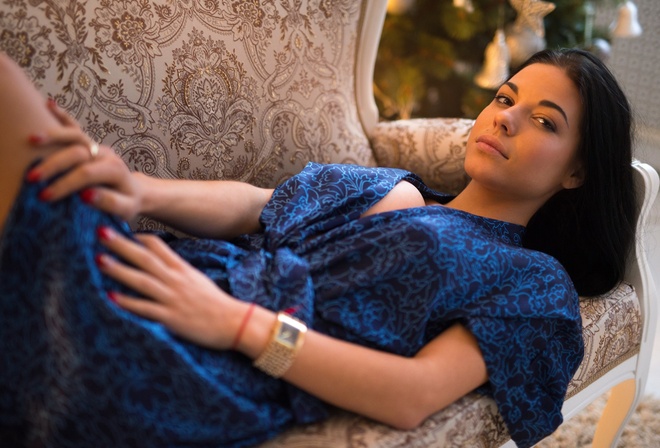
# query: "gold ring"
94,149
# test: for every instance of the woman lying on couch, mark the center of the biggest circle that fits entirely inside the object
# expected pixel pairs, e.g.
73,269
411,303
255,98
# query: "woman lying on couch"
349,286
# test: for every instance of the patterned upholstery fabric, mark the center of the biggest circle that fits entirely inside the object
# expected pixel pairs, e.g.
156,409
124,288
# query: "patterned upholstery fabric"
245,90
612,331
252,90
432,148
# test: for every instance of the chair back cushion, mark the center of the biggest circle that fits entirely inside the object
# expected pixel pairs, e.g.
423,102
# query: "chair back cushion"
245,90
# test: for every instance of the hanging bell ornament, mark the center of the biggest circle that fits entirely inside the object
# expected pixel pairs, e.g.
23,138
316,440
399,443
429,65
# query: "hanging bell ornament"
522,43
626,23
496,66
526,35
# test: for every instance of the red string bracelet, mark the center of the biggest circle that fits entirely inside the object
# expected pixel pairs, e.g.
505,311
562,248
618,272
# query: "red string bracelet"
241,329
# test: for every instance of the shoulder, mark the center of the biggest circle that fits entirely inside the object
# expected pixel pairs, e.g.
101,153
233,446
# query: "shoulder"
543,286
325,196
404,195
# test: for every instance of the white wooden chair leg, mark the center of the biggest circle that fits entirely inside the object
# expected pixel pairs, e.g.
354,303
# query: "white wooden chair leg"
616,414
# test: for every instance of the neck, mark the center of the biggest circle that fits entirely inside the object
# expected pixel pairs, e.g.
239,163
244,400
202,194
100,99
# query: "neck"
490,204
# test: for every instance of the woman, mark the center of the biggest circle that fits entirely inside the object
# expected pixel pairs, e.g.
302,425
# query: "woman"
398,300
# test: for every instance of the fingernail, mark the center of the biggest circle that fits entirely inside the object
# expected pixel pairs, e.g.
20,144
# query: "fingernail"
36,139
104,233
51,102
112,297
33,176
100,260
45,194
88,196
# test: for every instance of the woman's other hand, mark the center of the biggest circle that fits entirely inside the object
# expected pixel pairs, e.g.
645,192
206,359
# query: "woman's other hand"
172,291
102,179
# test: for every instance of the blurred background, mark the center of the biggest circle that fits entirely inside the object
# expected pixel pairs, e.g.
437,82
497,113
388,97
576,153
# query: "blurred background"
441,58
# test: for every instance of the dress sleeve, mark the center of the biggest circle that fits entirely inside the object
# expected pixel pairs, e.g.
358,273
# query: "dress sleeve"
321,197
530,363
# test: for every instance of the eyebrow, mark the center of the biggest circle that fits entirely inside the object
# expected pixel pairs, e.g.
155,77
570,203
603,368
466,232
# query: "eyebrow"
546,103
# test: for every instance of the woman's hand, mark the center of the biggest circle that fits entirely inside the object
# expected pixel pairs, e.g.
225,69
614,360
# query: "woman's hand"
173,292
102,179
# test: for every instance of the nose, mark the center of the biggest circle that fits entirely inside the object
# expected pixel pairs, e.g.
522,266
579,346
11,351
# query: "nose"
504,120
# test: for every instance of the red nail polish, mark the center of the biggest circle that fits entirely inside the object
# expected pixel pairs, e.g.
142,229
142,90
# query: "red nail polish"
104,233
112,296
33,176
45,195
36,139
99,259
51,102
88,196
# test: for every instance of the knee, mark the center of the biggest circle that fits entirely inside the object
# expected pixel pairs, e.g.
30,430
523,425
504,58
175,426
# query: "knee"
5,60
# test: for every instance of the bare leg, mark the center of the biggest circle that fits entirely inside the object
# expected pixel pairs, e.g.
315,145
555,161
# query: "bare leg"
23,112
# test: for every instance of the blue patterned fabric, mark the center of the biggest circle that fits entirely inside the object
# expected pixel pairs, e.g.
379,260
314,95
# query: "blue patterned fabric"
78,371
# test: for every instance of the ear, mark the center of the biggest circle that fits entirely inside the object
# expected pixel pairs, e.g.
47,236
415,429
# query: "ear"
575,178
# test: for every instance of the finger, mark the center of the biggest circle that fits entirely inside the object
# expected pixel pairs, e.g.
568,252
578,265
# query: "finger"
136,254
80,171
59,113
109,201
135,279
161,249
60,136
141,307
60,161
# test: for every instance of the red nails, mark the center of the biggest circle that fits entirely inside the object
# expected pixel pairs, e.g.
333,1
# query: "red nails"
112,296
36,139
33,176
100,260
88,196
45,195
51,102
104,233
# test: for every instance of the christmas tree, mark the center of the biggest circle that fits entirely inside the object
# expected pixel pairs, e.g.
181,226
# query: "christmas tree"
431,51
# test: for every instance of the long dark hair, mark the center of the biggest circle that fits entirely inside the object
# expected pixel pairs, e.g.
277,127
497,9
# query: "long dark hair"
591,229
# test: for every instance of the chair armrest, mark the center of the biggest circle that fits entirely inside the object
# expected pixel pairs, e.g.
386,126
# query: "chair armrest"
432,148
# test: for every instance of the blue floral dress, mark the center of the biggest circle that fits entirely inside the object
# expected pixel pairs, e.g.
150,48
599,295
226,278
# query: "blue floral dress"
78,371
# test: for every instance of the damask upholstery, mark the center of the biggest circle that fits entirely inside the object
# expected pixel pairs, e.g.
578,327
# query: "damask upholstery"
243,90
413,145
252,90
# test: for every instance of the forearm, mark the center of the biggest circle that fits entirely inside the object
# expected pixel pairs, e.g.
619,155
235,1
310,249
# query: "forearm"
217,209
378,385
391,389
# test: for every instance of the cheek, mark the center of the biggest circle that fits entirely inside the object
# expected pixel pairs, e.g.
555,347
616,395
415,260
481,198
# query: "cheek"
470,160
546,169
553,158
478,167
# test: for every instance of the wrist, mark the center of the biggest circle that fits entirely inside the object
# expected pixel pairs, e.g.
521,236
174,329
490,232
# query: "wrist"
145,199
241,328
286,339
256,332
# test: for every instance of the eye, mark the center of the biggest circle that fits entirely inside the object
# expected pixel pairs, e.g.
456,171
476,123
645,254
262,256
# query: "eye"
549,125
503,99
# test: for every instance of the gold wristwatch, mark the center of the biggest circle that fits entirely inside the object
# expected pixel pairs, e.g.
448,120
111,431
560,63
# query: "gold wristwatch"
285,341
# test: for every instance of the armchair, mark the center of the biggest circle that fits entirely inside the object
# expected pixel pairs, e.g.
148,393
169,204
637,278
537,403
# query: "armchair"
253,90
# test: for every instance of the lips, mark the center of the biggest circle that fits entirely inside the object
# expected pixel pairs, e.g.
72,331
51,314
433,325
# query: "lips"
488,143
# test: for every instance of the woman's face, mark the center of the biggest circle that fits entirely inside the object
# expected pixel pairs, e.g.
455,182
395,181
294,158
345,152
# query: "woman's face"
524,143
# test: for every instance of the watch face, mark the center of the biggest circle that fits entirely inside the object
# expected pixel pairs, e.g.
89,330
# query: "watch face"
288,335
